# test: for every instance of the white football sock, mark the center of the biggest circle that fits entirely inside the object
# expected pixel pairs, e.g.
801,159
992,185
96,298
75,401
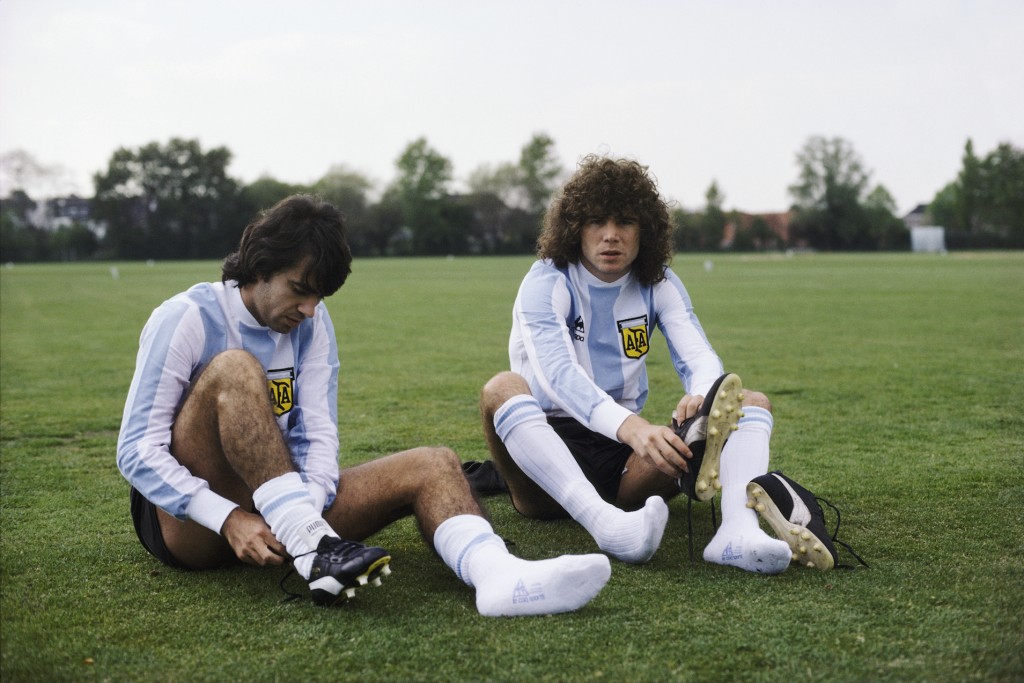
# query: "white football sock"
542,455
740,541
290,510
507,586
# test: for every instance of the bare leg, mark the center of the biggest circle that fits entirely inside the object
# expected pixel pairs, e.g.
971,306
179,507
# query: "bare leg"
428,483
226,434
641,481
424,482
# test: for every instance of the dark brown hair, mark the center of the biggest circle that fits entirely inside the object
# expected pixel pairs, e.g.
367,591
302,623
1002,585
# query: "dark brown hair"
603,188
296,228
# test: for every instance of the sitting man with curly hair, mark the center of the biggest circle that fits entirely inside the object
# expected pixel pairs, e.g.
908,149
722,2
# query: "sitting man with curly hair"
564,425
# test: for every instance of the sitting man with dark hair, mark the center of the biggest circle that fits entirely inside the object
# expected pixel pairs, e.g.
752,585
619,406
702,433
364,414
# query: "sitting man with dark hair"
230,439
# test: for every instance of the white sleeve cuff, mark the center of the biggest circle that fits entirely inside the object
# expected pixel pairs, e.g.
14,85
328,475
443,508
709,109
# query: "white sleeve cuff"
607,418
209,509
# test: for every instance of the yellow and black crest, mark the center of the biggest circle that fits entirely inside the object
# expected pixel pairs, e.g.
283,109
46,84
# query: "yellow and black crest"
635,340
281,383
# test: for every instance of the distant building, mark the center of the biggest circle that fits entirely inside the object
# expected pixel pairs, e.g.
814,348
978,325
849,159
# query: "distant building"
928,238
777,225
919,216
923,236
65,211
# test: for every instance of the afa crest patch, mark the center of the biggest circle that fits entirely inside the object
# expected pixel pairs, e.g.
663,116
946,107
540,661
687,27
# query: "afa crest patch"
635,340
281,383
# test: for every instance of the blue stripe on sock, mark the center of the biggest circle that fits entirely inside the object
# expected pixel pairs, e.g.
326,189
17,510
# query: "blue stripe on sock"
482,538
515,412
754,416
284,500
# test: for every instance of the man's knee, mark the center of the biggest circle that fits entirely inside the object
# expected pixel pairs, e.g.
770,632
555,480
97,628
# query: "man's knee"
756,399
232,378
436,461
233,372
234,363
501,388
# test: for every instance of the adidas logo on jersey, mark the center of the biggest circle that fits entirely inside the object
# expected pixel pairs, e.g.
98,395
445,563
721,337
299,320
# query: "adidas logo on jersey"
579,329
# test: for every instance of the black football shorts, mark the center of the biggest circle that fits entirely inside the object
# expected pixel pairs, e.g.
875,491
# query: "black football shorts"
147,528
602,460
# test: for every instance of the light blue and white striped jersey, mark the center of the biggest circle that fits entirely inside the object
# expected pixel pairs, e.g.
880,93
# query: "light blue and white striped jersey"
582,343
181,337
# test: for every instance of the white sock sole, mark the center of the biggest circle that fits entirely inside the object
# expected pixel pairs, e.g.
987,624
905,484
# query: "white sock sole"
750,550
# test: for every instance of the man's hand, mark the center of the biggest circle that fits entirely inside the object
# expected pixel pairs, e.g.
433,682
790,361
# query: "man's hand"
251,539
687,407
659,445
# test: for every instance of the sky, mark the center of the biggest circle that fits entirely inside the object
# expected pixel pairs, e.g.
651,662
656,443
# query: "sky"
700,91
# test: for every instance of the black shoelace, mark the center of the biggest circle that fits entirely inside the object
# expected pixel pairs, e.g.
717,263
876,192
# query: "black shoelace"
289,595
836,540
714,526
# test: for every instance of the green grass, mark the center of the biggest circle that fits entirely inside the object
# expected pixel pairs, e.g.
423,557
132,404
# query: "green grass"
897,383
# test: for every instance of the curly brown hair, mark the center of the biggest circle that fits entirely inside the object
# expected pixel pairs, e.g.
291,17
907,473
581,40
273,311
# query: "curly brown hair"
602,188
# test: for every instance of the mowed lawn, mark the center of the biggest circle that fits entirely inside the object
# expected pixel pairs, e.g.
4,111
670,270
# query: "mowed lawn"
897,382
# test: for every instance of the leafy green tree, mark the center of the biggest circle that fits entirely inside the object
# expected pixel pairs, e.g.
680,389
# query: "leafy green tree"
169,201
264,192
348,190
762,236
386,231
423,173
493,227
18,238
501,181
525,190
984,206
828,196
943,209
968,188
422,190
1000,208
345,188
687,231
887,231
74,243
494,197
539,170
712,222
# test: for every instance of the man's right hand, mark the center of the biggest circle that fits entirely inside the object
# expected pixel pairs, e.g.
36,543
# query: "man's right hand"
250,537
661,446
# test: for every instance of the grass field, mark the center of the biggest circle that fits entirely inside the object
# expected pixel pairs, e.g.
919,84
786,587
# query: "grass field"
897,383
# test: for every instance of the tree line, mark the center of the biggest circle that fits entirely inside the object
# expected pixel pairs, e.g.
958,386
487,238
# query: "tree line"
178,201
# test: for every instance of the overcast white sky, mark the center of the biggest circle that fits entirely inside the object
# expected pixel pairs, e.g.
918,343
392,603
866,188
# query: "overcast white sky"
700,91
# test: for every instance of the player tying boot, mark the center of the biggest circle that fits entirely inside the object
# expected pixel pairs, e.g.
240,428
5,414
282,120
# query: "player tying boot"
230,440
564,425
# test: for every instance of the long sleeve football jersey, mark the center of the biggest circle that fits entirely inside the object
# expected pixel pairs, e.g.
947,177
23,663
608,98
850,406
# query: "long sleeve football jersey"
181,337
582,343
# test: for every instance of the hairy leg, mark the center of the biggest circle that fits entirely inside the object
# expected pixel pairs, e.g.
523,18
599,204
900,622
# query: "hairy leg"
527,497
642,480
225,433
425,482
